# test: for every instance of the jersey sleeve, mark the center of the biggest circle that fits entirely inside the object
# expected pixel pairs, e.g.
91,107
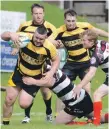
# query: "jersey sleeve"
89,26
94,61
52,51
60,32
84,25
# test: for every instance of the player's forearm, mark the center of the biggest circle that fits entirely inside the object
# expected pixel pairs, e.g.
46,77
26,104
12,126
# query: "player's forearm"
88,77
55,65
43,83
6,36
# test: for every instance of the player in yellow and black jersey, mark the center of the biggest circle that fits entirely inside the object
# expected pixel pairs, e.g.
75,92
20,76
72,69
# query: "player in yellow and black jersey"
77,62
69,34
30,27
30,63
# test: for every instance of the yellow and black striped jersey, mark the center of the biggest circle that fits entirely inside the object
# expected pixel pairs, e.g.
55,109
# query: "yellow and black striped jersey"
31,58
72,42
30,27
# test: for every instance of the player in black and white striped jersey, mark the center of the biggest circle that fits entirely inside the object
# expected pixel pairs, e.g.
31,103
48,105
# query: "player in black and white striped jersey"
63,88
100,57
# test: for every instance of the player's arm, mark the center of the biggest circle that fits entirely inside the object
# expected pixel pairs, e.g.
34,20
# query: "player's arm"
10,36
14,51
55,64
88,77
100,32
97,30
41,82
53,36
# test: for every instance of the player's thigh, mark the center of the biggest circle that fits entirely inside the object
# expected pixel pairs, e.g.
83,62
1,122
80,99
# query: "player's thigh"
11,93
63,118
25,99
101,91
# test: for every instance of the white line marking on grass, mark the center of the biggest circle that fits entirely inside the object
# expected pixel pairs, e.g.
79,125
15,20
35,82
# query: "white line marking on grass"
32,113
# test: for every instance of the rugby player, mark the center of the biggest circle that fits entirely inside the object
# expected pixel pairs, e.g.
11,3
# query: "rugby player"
78,59
62,86
30,62
30,27
100,57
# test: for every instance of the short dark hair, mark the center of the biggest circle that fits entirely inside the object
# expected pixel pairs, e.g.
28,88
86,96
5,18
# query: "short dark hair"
41,30
70,12
35,5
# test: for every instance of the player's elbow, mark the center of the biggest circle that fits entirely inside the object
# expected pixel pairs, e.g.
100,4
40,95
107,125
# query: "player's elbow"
5,36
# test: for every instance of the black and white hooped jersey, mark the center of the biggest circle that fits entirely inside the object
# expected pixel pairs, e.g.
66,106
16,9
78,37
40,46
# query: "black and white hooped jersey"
63,88
100,56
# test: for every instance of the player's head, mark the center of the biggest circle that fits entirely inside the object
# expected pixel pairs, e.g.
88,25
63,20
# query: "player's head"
39,36
70,19
37,13
89,38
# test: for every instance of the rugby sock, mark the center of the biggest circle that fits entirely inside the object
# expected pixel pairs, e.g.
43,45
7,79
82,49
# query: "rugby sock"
6,121
27,110
48,104
97,112
106,116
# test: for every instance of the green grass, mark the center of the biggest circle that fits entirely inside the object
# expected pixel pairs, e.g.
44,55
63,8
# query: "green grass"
55,16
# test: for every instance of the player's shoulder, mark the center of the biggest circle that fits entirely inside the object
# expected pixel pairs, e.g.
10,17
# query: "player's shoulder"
26,23
48,24
49,45
62,28
83,24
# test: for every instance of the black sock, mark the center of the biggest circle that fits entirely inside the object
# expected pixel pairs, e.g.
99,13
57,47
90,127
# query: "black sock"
27,110
5,122
48,106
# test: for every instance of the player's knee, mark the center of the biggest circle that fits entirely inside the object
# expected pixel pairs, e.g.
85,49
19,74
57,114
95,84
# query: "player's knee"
24,105
97,95
9,100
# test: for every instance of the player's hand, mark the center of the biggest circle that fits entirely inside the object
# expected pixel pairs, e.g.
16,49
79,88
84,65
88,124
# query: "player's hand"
15,38
29,80
76,91
14,51
58,44
48,76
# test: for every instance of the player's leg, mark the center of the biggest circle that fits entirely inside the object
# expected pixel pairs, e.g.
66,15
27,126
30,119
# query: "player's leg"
103,119
67,70
46,93
27,114
27,94
59,106
102,91
63,118
11,95
25,99
82,72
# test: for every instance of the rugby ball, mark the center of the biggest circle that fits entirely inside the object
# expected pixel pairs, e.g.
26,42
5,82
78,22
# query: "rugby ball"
23,40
